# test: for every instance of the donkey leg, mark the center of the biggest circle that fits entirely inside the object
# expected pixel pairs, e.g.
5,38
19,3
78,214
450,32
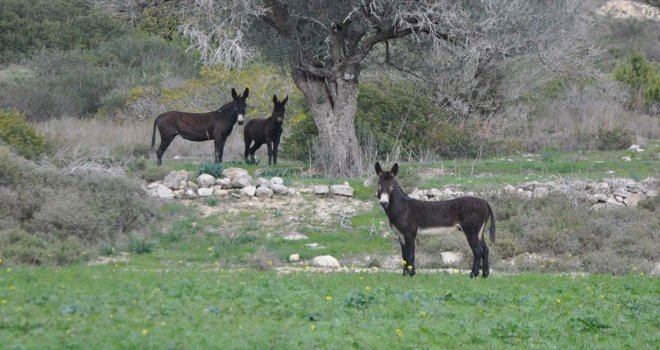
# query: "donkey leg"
477,252
485,268
411,257
276,145
219,149
165,141
253,150
247,148
270,151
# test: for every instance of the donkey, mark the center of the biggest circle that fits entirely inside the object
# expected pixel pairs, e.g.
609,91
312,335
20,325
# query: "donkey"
410,217
266,131
216,125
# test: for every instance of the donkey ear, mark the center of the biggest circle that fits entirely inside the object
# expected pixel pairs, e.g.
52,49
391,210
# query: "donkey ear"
379,170
275,99
246,92
395,169
285,99
234,95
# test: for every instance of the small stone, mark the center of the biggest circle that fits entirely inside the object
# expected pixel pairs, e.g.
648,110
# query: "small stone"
633,200
219,191
277,181
153,185
205,180
264,192
510,189
279,189
295,236
294,257
192,185
233,173
190,193
161,191
540,192
325,261
241,181
179,193
262,182
204,192
601,197
633,147
174,178
249,191
626,159
342,190
321,189
224,182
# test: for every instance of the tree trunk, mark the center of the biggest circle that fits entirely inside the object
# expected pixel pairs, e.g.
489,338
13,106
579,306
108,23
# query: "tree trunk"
333,103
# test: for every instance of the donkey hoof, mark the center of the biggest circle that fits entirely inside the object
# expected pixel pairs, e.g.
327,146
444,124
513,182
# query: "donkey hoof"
474,274
411,273
485,274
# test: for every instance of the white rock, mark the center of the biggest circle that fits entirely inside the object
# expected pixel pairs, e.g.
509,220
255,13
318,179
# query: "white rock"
241,181
234,172
204,192
224,182
633,200
626,159
153,185
295,236
174,178
192,185
656,270
279,189
601,187
540,192
264,192
262,182
633,147
190,193
161,191
306,190
342,190
510,189
448,192
179,193
248,191
601,197
294,257
277,181
451,258
205,180
612,202
291,192
219,191
434,192
321,189
325,261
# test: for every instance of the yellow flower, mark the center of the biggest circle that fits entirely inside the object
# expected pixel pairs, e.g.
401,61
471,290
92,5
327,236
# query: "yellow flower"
163,323
398,332
1,260
145,331
312,327
367,288
3,301
328,298
8,269
210,249
558,300
12,287
403,262
306,267
269,263
422,314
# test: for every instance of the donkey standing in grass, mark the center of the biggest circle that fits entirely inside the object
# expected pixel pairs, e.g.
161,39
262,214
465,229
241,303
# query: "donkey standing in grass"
216,125
410,217
266,131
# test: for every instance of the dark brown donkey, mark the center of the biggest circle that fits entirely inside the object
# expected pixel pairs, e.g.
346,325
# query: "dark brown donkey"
266,131
216,125
410,217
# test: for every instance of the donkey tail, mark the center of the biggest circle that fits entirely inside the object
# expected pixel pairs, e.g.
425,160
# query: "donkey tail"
492,223
153,136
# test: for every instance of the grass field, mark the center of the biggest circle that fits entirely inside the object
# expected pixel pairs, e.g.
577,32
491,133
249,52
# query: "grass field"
131,306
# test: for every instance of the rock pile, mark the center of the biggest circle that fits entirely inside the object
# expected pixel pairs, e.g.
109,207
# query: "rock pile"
234,181
612,192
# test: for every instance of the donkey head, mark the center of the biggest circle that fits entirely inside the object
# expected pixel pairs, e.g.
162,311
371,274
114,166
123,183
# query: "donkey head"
386,183
239,103
278,108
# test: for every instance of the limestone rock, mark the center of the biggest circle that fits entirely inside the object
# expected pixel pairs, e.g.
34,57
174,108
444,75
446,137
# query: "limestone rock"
241,181
451,258
263,191
321,189
277,181
233,173
279,189
160,191
342,190
249,191
205,180
224,182
174,178
262,182
294,257
325,261
295,236
204,192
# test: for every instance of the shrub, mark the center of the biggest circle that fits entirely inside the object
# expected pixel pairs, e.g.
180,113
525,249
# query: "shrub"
65,212
615,139
641,75
16,132
140,246
211,168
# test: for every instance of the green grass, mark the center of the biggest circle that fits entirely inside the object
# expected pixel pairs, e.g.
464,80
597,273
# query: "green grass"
133,306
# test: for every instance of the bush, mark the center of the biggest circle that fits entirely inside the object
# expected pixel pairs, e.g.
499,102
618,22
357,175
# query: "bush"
614,139
27,26
17,133
66,213
641,75
211,168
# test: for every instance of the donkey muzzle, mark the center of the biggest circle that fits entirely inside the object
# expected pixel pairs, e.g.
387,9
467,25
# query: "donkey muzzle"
241,119
384,199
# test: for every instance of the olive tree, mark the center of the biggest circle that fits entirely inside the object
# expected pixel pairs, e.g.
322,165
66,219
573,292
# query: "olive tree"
326,44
